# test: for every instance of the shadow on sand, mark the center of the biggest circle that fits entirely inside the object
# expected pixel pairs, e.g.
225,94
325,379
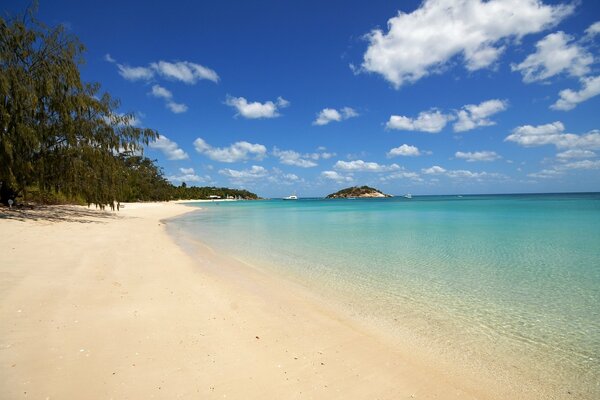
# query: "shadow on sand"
62,213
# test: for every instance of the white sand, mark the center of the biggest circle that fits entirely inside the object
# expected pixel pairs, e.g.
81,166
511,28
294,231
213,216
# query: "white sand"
100,305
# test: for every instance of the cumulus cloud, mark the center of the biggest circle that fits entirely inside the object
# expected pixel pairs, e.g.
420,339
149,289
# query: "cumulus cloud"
555,54
413,176
239,176
593,29
435,170
477,156
135,73
176,108
404,150
554,134
419,43
472,116
469,117
575,153
188,175
363,166
290,157
182,71
462,173
335,176
163,93
169,148
562,169
239,151
328,115
590,87
432,121
254,110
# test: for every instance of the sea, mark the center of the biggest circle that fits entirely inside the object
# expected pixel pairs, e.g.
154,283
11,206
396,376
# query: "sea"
507,286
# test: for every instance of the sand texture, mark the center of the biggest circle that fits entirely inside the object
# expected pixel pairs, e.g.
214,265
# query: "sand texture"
101,305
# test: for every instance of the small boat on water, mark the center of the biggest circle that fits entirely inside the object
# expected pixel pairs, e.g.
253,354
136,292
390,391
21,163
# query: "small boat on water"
408,196
291,197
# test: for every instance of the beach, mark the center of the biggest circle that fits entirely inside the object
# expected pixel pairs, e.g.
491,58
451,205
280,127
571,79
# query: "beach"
105,305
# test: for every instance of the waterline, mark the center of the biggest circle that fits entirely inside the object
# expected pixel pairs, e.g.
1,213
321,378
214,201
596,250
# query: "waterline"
509,282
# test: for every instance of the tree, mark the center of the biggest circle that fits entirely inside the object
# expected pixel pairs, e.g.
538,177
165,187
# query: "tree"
57,132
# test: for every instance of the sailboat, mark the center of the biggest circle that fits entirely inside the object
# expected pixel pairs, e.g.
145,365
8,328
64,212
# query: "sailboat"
291,197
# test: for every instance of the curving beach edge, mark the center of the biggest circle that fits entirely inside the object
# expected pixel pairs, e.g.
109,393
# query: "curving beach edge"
99,304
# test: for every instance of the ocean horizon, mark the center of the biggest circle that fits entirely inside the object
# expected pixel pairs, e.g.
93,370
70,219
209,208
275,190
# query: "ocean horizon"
507,285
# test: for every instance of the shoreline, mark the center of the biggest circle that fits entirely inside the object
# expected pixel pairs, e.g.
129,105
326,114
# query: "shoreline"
106,304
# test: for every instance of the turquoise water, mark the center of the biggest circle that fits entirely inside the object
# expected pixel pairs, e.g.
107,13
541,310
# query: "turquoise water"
510,282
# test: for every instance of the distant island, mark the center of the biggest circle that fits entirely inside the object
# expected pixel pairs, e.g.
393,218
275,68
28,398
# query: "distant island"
357,191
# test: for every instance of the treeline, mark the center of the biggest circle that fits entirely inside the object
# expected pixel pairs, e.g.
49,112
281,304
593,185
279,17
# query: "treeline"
62,139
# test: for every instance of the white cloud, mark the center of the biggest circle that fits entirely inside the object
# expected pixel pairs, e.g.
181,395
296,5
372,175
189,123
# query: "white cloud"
570,98
435,170
593,29
477,156
290,157
363,166
584,164
560,170
424,41
556,53
472,116
403,175
239,151
462,173
546,174
177,108
163,93
328,115
335,176
404,150
184,71
530,136
169,148
251,174
135,73
575,153
256,109
432,121
469,117
188,175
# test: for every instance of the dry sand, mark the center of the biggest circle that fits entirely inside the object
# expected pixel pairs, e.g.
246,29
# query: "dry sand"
100,305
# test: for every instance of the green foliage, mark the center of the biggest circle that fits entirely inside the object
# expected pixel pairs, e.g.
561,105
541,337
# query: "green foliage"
61,140
354,191
56,132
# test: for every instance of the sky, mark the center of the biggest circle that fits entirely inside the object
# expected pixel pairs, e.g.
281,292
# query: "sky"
308,97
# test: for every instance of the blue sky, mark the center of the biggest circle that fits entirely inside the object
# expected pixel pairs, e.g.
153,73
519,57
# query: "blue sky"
432,97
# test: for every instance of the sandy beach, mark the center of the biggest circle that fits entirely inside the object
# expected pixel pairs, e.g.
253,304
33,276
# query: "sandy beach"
99,305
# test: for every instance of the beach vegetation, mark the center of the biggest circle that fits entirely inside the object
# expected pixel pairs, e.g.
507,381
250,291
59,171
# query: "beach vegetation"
357,191
57,132
62,140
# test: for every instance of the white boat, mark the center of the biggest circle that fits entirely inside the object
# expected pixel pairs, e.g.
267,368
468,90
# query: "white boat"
291,197
408,196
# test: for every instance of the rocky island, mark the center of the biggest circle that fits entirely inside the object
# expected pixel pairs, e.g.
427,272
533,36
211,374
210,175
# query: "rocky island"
356,191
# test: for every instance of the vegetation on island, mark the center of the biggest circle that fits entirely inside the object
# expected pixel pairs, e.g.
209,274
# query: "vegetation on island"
62,139
357,191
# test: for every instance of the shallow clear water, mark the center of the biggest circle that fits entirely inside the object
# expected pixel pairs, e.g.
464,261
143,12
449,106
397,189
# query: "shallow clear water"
511,282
